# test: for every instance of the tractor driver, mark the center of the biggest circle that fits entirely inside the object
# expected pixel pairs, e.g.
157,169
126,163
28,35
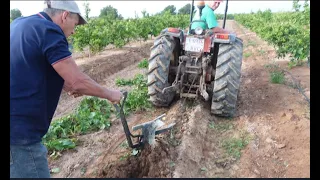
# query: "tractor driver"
207,9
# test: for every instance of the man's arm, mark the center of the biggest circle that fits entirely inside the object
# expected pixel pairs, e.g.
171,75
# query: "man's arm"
55,49
76,82
213,23
220,30
70,92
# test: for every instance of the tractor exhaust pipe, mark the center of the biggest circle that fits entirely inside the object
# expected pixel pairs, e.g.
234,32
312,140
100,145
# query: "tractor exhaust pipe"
225,15
191,13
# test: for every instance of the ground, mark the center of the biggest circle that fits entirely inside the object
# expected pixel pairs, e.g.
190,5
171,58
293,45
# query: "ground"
269,137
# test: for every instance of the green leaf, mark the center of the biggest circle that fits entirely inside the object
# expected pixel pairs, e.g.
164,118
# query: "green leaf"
55,170
102,126
134,152
203,169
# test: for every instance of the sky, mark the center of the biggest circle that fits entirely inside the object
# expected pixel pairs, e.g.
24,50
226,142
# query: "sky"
129,8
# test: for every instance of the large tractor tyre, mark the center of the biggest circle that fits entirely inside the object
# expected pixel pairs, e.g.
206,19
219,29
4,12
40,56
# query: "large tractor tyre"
163,51
227,79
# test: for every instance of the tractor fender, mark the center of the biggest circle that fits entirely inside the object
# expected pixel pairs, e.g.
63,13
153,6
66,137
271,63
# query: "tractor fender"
174,32
231,38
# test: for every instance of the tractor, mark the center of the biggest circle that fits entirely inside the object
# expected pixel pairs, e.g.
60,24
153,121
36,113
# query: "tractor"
196,64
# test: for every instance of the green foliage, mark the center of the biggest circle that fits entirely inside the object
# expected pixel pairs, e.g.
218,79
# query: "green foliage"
289,32
91,115
144,13
143,64
185,9
15,13
138,96
221,16
277,77
110,12
86,10
276,73
171,9
233,146
137,80
100,32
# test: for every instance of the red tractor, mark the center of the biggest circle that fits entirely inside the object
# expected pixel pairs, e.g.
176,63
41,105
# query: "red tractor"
196,64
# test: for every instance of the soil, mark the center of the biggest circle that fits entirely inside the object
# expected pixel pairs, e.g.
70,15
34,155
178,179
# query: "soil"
272,124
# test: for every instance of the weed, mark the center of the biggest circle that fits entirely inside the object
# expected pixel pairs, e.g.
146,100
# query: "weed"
276,74
211,125
55,170
234,145
189,103
124,157
172,140
143,64
248,54
172,164
124,144
137,80
277,77
83,170
251,43
261,51
123,82
294,63
203,169
223,126
134,152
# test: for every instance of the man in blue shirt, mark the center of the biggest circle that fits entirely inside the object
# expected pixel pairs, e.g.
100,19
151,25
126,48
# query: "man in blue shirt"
207,15
40,66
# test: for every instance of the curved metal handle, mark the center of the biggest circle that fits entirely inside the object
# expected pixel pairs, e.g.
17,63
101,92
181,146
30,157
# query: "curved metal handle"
119,107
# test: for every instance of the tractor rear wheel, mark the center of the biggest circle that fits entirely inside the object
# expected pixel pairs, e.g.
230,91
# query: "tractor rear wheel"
227,79
162,52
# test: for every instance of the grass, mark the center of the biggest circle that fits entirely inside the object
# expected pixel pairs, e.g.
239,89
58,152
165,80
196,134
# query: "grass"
294,63
143,64
124,157
277,77
172,140
124,144
248,54
221,127
234,145
261,51
137,80
251,43
276,74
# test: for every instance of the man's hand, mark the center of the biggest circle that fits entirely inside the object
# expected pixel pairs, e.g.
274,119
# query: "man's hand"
116,96
74,94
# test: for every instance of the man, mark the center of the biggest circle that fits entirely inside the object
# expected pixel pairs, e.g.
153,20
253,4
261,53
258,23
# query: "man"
40,64
207,15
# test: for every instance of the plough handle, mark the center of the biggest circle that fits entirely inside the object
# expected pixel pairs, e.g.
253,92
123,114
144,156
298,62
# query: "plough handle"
119,108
